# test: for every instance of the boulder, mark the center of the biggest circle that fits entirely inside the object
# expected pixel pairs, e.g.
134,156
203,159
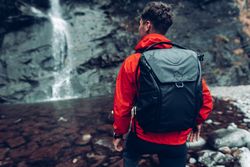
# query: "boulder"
243,157
212,158
229,138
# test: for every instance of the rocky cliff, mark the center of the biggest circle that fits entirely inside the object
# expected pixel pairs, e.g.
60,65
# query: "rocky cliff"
47,52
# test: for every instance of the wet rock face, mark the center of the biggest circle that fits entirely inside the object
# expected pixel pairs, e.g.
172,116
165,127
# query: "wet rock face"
91,52
102,34
26,64
221,38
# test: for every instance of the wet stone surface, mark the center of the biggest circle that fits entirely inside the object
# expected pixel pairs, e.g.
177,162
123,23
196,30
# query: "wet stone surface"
78,133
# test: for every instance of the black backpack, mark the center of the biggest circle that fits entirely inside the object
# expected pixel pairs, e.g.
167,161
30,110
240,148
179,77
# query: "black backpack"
169,89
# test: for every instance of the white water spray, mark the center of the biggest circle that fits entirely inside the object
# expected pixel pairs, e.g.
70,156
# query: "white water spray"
62,88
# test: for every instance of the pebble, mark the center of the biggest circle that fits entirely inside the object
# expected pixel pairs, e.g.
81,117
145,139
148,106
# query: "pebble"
90,155
239,115
192,160
18,120
236,153
246,120
244,124
216,123
86,139
105,142
225,150
75,160
234,149
230,111
62,119
220,112
209,121
232,126
105,164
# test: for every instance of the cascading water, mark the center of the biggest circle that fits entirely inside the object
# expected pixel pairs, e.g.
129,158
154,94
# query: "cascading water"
61,88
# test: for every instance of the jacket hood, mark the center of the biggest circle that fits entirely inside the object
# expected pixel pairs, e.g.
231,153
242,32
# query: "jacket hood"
150,39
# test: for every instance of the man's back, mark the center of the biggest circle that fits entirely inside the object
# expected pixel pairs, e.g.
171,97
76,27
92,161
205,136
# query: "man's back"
170,146
126,93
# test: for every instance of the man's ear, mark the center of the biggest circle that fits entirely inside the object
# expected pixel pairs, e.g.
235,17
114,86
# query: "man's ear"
148,26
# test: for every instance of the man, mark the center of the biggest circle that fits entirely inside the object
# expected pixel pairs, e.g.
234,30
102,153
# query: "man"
170,146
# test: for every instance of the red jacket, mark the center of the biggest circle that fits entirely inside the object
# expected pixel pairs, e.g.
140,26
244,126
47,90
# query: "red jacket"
125,93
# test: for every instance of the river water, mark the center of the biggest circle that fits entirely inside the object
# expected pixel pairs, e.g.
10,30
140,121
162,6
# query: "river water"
79,133
74,132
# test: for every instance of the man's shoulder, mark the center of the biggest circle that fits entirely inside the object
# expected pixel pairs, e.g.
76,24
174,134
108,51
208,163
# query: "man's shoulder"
133,58
131,62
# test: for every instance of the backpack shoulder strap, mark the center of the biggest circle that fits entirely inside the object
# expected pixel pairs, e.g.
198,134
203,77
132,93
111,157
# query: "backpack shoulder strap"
136,78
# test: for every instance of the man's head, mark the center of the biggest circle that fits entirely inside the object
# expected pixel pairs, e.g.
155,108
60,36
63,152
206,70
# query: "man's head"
155,18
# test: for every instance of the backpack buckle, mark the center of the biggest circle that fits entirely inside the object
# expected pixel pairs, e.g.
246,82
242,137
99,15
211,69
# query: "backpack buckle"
133,112
179,84
201,57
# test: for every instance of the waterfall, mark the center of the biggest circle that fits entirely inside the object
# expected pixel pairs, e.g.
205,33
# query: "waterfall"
62,88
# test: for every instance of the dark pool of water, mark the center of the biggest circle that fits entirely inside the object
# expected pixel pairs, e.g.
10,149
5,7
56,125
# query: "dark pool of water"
62,134
75,133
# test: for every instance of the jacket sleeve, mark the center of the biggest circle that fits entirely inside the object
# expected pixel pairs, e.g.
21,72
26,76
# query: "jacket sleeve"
207,103
125,92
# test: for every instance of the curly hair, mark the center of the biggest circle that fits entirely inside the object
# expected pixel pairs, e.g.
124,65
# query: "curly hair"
159,14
